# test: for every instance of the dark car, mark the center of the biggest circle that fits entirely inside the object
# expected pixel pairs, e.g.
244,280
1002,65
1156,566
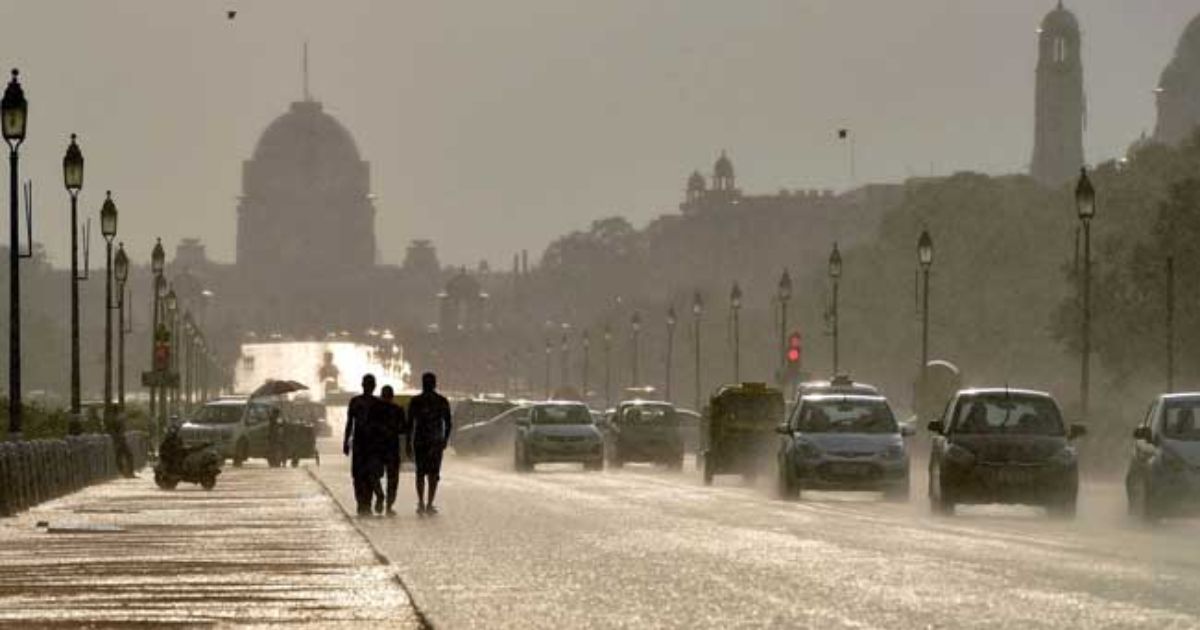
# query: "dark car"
843,442
1003,446
1164,471
643,431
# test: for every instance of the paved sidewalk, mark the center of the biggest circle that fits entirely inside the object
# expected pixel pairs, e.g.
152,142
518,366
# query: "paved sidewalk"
266,547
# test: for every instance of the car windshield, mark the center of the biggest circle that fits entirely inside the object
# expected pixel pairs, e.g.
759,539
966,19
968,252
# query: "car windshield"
1179,420
1009,414
218,414
649,414
565,414
750,409
847,415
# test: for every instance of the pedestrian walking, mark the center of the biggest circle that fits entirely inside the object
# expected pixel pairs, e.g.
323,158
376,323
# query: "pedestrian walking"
429,417
395,431
362,443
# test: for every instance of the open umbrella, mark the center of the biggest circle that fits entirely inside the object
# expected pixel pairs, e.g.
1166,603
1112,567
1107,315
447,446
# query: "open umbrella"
277,388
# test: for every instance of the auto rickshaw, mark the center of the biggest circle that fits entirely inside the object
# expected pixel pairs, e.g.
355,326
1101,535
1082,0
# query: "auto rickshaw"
737,431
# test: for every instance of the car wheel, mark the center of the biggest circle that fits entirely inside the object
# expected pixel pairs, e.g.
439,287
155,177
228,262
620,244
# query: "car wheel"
785,487
939,503
208,483
240,454
1141,503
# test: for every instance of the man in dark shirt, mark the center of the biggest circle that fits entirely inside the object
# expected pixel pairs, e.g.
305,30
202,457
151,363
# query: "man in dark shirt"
429,415
394,430
359,440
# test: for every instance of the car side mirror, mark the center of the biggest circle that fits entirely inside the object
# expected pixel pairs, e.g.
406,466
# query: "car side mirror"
907,430
1142,433
936,426
1076,431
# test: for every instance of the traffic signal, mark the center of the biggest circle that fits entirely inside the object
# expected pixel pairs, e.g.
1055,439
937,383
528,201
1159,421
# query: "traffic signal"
794,352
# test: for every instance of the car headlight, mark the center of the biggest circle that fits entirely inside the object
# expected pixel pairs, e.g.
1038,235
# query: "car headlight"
1065,457
895,451
960,456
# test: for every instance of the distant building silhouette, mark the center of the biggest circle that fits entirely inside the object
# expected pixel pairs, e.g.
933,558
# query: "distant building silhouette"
724,195
1060,107
1178,92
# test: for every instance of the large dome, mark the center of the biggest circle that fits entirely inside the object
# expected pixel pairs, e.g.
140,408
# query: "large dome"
305,128
1060,20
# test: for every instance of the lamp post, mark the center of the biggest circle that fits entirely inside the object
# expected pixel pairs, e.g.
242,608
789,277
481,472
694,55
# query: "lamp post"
1170,324
835,274
73,181
1085,207
671,321
158,259
171,394
925,259
121,271
635,323
735,309
108,227
784,295
587,350
564,352
697,311
607,366
13,115
549,351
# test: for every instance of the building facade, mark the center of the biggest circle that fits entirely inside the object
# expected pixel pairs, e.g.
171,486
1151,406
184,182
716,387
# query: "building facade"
1060,105
1178,93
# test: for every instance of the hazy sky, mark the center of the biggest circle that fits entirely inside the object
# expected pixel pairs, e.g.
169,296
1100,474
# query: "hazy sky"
496,125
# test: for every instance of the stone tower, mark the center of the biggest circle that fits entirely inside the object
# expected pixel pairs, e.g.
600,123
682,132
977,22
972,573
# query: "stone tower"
1060,108
1178,92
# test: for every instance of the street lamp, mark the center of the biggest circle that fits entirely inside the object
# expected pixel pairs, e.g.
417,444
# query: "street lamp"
635,322
1085,207
171,304
121,271
108,228
158,259
587,348
785,295
925,259
73,181
565,349
835,274
671,321
697,311
607,365
549,351
13,113
735,309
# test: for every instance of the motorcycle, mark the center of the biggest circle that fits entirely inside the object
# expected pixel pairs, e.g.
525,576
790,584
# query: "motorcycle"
200,464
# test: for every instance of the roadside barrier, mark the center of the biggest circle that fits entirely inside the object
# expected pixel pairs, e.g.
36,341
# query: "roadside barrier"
35,471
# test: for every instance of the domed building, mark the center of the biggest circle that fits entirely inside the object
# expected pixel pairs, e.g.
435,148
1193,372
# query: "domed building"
305,209
1178,92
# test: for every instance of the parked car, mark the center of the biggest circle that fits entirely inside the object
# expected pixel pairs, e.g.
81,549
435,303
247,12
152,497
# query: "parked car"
643,431
240,430
557,431
738,429
1003,445
1164,469
843,442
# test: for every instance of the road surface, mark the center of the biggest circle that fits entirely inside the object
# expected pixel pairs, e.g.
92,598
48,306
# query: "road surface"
645,547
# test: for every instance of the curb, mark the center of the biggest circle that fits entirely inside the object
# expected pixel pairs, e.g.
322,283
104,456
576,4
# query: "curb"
422,620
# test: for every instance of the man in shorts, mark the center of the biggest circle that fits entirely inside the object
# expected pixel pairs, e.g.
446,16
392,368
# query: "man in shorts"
429,419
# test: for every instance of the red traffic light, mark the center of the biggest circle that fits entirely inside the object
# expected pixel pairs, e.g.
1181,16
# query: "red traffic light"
794,347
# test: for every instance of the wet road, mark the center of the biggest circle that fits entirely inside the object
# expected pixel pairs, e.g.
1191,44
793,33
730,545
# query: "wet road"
266,547
644,547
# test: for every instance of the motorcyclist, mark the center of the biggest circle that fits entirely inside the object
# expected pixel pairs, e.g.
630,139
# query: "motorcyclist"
171,451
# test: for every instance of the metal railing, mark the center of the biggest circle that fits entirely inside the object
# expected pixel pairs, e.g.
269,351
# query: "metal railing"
35,471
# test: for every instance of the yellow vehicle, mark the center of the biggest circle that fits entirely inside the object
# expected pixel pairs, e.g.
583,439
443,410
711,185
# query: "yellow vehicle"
737,431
